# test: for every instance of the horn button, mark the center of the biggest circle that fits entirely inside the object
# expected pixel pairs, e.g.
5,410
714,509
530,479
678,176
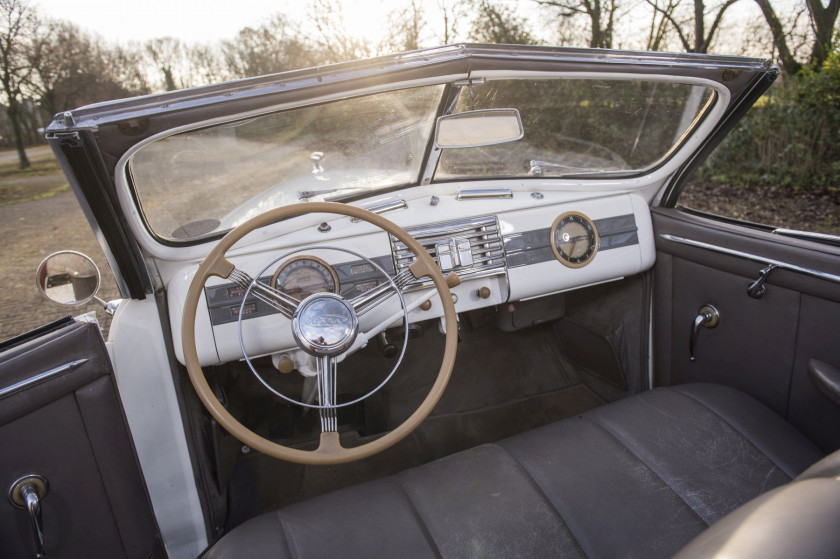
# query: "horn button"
325,324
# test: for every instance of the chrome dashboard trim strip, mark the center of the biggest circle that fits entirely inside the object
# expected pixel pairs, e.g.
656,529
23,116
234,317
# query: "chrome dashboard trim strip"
484,193
41,377
755,258
382,207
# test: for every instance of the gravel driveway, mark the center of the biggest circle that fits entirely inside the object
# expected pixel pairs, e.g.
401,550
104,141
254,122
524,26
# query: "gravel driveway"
29,232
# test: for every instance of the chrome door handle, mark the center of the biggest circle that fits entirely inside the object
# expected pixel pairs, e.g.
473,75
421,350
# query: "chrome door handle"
27,493
707,316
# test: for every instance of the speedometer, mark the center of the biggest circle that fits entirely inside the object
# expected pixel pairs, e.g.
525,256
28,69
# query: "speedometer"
302,276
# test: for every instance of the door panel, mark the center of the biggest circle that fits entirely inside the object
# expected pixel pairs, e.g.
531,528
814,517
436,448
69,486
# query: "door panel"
761,346
809,409
60,418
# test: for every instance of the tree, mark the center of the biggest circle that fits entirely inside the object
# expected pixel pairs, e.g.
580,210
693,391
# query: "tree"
167,54
692,31
126,67
333,37
270,48
823,19
600,13
206,64
405,25
450,12
658,31
822,26
789,63
17,26
70,69
495,23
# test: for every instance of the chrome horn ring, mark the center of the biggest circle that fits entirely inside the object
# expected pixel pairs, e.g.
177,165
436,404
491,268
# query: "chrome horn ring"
326,347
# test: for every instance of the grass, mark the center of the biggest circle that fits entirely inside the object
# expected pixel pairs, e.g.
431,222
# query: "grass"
41,164
9,196
42,179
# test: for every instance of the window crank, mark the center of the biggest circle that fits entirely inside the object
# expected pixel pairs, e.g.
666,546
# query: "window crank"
707,316
27,493
757,289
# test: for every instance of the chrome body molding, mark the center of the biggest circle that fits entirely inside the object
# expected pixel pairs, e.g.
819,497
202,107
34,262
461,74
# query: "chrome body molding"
753,257
41,377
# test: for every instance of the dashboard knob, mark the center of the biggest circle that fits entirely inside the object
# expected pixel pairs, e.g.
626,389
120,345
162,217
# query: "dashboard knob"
426,305
484,292
285,365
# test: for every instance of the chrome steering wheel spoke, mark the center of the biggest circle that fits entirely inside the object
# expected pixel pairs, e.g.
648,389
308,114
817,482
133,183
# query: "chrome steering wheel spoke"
272,297
327,368
371,299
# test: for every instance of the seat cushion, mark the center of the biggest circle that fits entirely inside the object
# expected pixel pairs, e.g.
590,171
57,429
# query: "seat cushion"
637,478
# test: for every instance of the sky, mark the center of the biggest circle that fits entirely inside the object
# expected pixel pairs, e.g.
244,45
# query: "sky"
209,21
206,20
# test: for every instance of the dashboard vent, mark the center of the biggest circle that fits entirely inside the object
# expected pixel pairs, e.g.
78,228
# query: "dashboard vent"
470,247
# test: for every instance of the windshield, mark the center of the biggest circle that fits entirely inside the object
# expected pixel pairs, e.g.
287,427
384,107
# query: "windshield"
206,181
578,126
215,178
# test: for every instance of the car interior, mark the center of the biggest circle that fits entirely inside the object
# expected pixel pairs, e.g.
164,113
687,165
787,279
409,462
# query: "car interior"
362,319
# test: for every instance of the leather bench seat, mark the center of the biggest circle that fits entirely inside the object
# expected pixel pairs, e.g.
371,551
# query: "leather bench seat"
640,477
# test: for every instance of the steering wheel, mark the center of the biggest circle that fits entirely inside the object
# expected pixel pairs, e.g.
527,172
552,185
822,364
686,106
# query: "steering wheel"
324,339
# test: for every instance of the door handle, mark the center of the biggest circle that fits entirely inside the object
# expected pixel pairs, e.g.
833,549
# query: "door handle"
27,493
707,316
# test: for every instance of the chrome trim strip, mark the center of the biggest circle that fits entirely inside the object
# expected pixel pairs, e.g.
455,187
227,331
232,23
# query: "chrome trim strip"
809,235
42,377
753,257
484,193
382,207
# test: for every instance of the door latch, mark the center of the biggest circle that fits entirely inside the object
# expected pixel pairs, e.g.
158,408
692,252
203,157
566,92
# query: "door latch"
708,317
27,493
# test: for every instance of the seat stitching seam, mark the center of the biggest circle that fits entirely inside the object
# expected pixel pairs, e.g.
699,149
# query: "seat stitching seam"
621,441
286,536
424,528
545,497
737,430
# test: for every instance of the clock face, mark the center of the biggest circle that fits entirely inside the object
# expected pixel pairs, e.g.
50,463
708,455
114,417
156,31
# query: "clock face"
574,239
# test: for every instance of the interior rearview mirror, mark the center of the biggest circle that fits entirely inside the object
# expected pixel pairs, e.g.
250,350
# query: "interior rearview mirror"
478,128
68,278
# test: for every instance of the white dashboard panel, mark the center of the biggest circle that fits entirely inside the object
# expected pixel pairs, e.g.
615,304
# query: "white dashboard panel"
627,248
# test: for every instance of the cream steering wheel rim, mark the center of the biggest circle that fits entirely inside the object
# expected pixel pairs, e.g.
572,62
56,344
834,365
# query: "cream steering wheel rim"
329,450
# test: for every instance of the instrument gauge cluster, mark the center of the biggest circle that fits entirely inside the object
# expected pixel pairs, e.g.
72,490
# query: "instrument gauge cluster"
303,276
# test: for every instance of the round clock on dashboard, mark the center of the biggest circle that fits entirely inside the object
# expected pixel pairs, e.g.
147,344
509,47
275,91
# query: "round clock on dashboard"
574,239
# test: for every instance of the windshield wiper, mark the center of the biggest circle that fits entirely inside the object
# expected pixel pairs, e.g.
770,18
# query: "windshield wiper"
537,168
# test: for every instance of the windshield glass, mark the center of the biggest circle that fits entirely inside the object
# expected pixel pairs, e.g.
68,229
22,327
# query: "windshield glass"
209,180
212,179
578,126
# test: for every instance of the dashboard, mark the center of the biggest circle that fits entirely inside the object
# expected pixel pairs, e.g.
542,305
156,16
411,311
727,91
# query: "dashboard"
501,257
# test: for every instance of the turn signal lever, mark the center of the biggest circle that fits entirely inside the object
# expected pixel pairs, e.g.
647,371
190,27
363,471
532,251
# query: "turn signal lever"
707,316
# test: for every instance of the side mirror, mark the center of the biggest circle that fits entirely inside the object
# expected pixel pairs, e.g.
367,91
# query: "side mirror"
478,128
68,278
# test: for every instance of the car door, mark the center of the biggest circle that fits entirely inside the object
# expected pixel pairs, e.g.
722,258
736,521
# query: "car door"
777,341
73,483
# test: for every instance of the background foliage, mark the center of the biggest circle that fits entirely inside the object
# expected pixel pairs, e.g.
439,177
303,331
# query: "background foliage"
790,138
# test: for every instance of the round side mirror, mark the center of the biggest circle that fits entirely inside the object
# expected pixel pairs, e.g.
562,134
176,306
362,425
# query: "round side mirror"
68,278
